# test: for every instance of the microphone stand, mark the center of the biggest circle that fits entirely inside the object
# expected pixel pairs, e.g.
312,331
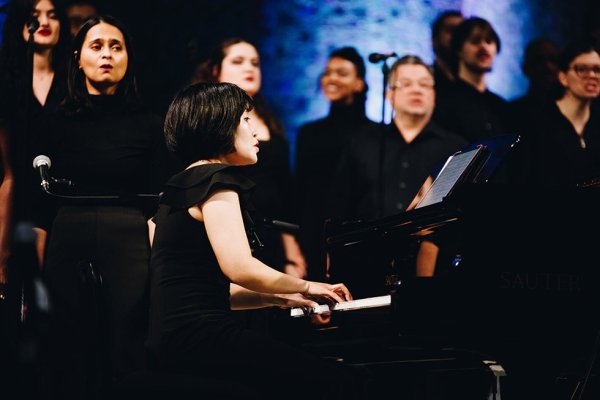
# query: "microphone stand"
27,275
32,27
375,58
385,70
46,186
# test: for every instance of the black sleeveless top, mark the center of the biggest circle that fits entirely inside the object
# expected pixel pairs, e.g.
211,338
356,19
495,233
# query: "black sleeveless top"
187,284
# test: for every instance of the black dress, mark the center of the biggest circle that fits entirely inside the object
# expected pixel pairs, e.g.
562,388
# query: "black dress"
22,113
98,251
19,111
192,329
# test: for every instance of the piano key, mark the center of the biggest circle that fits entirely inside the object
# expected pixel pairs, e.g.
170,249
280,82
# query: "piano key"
368,302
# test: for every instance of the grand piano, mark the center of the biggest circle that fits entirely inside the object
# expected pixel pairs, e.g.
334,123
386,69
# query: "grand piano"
518,287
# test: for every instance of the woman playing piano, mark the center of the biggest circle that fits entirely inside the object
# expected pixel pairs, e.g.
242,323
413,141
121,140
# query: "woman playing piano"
202,265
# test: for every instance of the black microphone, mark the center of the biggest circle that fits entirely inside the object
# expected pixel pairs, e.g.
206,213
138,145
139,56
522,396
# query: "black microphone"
32,25
42,164
376,57
281,225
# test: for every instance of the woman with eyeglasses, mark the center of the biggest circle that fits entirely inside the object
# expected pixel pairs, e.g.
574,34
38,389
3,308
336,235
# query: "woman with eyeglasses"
562,147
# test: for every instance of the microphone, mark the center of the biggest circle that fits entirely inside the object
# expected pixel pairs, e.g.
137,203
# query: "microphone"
281,225
32,25
376,57
42,164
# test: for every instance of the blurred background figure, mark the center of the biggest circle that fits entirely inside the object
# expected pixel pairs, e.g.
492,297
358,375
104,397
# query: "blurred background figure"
468,107
78,12
318,148
562,146
441,37
540,66
383,167
32,83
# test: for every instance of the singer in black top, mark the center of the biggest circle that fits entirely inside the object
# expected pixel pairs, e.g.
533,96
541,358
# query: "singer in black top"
96,266
318,149
30,87
562,145
202,266
32,83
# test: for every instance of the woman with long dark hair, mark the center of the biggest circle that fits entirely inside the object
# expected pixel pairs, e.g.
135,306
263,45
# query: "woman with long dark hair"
561,146
96,267
32,83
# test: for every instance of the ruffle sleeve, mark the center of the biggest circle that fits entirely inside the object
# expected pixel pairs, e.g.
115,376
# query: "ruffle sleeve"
196,184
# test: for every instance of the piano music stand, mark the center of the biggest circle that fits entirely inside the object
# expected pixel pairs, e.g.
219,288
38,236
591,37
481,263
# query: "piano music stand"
460,167
477,163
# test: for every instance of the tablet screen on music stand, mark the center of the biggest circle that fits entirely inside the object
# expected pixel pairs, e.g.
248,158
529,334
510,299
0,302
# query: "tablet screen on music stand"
455,170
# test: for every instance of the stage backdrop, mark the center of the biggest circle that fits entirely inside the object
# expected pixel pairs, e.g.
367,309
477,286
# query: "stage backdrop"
295,37
300,34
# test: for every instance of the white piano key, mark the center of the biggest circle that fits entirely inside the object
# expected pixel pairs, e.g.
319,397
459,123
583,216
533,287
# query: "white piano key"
368,302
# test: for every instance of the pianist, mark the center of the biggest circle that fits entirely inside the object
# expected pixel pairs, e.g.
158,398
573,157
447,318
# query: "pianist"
202,265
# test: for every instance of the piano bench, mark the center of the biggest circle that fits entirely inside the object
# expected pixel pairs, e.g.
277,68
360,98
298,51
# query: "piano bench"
155,385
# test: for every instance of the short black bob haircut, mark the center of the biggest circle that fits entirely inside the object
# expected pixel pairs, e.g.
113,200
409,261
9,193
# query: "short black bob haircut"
202,120
78,98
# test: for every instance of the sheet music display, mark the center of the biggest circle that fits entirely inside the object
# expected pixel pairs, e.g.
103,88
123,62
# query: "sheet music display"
456,169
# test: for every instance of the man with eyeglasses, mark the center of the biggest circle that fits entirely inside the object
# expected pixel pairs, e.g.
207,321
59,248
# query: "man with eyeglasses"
384,166
563,145
467,107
